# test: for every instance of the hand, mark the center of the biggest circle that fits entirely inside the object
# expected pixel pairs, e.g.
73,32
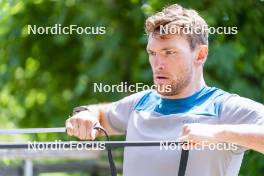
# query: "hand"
81,125
198,133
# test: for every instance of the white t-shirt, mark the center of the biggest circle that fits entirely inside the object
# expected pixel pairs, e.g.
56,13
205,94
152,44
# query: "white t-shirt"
145,116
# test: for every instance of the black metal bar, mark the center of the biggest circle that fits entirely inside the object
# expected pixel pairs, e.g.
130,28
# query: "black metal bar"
100,145
90,144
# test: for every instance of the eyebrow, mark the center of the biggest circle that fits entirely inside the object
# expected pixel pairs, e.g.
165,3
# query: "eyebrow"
163,49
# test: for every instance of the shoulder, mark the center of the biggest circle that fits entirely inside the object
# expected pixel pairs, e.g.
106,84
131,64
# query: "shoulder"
234,102
239,109
133,99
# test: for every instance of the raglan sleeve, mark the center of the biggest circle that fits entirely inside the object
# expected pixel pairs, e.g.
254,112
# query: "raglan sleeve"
118,113
239,110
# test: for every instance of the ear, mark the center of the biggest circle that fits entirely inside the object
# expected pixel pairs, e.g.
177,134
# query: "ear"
202,52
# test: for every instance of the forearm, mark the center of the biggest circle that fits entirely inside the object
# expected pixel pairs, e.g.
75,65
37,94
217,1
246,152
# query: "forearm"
249,136
99,110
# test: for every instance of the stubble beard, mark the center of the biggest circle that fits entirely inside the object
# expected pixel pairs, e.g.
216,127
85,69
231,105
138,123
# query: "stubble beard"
177,85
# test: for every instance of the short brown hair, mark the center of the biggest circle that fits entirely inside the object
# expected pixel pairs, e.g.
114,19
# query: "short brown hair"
177,16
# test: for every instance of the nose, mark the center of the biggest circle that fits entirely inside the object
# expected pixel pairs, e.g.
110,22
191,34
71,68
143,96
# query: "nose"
159,63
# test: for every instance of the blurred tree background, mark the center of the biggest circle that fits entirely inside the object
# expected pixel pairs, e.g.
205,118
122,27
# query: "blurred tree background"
43,77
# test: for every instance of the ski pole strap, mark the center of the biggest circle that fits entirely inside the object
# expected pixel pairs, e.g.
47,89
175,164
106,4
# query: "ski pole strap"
109,151
183,162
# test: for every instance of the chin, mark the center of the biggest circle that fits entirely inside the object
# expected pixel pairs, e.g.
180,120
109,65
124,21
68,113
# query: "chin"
164,89
166,94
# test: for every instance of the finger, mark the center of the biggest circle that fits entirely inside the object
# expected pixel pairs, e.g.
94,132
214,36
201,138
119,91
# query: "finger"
69,127
94,133
183,138
75,127
82,130
89,127
185,129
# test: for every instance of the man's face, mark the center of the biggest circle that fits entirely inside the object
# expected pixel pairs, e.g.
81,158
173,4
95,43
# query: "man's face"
172,63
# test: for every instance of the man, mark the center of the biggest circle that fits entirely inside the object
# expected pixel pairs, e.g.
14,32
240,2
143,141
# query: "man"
189,111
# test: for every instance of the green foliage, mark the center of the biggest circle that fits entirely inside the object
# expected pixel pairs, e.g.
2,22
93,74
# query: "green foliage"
43,77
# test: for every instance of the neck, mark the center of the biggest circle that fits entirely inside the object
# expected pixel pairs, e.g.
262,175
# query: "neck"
189,90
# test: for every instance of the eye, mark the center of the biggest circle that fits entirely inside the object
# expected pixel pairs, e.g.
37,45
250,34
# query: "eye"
170,52
151,53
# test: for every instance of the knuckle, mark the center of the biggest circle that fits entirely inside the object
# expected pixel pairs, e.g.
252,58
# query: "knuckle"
86,121
79,121
88,124
186,125
72,120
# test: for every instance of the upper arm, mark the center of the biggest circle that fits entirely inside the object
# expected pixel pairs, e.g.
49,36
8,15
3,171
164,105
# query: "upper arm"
240,110
118,113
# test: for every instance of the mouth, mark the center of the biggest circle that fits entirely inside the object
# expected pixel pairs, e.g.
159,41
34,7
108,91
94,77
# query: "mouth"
161,77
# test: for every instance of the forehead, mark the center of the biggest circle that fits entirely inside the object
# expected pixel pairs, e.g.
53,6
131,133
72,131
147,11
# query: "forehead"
169,41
